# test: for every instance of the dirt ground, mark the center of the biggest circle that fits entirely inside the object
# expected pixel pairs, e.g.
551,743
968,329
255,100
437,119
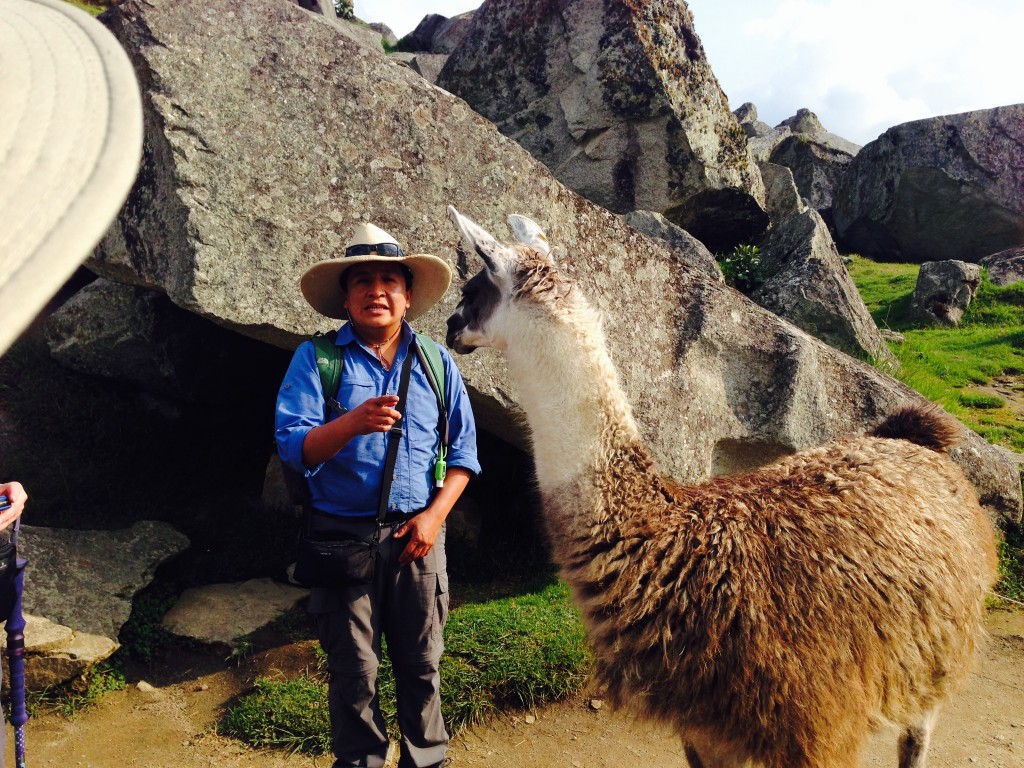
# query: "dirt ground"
173,723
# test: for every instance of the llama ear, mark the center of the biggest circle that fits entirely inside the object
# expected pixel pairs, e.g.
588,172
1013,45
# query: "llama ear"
528,232
478,239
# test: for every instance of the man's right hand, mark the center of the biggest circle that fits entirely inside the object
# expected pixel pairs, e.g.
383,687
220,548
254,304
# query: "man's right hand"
377,414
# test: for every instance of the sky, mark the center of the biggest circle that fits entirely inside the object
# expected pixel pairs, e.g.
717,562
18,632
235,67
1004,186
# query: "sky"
861,66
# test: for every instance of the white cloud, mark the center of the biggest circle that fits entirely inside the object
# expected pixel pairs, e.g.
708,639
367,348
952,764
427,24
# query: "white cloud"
866,66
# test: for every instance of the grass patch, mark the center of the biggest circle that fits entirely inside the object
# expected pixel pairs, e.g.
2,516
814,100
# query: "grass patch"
1011,565
519,652
79,694
886,289
291,714
981,401
997,305
143,637
943,364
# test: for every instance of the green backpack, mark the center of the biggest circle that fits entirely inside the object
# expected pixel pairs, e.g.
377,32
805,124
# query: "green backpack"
330,364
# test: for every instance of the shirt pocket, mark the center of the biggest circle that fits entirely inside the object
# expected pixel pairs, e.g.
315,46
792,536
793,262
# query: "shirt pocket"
356,390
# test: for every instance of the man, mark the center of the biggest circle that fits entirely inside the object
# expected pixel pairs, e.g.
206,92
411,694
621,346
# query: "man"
378,289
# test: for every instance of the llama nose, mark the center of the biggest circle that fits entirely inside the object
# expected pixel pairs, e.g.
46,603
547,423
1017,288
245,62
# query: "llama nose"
455,326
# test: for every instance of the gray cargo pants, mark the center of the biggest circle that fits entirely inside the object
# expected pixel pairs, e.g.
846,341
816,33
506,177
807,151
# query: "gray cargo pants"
408,607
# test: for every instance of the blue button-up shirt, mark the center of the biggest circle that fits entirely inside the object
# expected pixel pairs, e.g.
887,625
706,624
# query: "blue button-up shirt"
349,484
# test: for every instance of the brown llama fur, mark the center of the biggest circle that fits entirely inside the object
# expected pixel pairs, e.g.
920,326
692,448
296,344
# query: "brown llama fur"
783,612
772,617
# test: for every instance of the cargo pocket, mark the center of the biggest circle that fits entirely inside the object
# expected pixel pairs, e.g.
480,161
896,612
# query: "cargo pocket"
440,611
436,560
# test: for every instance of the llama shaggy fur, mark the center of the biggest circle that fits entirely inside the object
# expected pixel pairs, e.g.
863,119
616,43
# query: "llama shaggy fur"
772,618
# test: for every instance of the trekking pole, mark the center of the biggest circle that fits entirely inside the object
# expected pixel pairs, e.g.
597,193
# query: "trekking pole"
16,662
16,651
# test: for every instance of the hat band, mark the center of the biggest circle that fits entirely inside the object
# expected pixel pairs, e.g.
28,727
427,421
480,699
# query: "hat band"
381,249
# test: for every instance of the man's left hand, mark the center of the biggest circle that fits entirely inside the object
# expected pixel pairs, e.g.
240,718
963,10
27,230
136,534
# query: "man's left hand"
422,531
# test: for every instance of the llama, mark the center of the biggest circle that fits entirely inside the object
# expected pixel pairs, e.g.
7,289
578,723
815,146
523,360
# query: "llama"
772,618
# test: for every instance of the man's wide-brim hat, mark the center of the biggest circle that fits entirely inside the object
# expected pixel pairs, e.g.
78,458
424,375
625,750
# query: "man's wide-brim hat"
321,283
70,144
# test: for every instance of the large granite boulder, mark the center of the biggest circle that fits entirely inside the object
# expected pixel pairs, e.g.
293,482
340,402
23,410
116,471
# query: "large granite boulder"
752,125
810,286
944,188
426,65
817,166
437,34
86,579
781,195
764,140
1005,267
619,101
450,35
816,157
684,245
225,217
419,39
137,336
386,34
944,291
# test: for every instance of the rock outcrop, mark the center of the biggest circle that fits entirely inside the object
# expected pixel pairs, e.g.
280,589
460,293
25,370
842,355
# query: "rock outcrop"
810,286
764,139
385,32
940,189
55,654
781,195
816,157
944,291
683,245
619,101
751,124
426,65
220,614
1005,267
816,167
437,34
225,220
86,579
137,336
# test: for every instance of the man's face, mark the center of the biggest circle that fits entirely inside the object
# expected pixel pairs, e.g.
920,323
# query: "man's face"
376,294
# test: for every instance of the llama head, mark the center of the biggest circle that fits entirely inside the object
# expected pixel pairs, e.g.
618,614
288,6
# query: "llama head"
514,276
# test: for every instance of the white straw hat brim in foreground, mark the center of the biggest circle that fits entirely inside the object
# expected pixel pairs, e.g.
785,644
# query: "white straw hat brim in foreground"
70,145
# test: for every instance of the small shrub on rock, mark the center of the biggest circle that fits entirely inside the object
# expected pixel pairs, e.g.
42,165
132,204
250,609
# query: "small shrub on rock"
742,268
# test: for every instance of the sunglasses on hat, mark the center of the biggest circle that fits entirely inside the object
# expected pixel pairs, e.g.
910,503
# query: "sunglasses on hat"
381,249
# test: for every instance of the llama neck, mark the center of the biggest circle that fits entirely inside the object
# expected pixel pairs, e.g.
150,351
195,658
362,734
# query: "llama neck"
570,392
